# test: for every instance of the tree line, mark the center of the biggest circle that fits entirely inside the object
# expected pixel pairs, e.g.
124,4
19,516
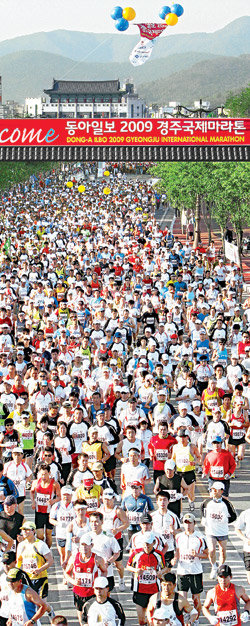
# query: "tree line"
219,191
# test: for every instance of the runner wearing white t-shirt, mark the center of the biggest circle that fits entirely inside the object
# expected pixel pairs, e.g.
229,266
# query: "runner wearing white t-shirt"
18,472
242,528
165,524
217,514
191,547
104,545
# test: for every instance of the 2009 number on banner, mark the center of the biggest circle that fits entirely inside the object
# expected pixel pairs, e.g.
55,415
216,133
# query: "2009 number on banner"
133,126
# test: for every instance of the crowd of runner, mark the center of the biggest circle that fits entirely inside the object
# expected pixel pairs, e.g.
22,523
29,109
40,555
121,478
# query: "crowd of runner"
124,368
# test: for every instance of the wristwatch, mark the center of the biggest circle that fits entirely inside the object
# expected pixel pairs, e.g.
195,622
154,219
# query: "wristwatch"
32,621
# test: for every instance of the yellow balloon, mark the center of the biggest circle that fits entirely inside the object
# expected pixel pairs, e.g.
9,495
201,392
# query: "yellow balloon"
171,19
81,188
129,14
106,173
69,184
106,191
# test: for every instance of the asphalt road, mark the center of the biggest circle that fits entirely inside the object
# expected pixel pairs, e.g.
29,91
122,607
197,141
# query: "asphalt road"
61,598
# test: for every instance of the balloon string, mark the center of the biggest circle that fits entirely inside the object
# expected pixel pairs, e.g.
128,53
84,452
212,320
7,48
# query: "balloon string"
86,56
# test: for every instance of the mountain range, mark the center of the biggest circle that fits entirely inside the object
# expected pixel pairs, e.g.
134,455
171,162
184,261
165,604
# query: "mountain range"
182,67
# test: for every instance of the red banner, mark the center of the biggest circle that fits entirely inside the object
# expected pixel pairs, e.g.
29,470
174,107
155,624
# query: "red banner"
151,31
119,131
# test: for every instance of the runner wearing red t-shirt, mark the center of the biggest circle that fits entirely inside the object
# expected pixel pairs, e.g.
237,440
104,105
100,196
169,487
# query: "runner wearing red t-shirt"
219,465
160,449
147,565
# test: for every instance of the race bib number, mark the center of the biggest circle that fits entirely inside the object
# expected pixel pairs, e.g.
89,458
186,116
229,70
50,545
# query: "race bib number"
238,434
84,580
183,461
92,503
92,457
42,499
134,517
17,618
148,577
188,557
161,455
217,472
29,564
228,617
166,534
173,494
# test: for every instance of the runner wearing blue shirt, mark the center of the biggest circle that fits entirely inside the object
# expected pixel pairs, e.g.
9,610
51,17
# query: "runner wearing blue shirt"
136,505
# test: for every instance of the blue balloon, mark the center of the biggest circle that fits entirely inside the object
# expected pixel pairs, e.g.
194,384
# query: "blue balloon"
116,13
122,24
177,9
164,11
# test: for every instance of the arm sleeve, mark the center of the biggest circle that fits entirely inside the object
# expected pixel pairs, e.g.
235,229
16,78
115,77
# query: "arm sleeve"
150,504
119,610
12,488
231,511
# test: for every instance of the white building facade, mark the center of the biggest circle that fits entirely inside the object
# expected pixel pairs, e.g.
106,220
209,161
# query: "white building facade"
87,99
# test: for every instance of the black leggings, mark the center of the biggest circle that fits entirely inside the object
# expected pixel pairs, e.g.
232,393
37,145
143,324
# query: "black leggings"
66,469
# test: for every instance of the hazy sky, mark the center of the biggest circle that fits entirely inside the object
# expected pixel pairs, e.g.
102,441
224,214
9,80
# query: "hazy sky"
21,17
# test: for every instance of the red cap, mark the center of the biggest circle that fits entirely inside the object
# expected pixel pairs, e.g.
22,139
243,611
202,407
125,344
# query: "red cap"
136,483
174,336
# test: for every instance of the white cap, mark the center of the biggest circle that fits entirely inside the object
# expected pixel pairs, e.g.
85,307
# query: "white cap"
169,464
239,400
108,493
93,429
163,392
218,485
101,582
149,537
66,489
17,450
182,405
87,539
196,403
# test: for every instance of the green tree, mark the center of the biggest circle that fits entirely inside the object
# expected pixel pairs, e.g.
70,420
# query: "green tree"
222,188
13,173
239,104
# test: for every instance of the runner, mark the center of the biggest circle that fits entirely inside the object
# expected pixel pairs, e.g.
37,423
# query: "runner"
146,565
25,605
45,492
61,514
176,606
115,521
184,455
191,548
102,607
226,600
34,557
81,571
217,514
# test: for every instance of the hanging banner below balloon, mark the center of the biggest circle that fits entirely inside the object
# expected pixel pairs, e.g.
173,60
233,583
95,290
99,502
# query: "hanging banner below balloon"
151,31
141,52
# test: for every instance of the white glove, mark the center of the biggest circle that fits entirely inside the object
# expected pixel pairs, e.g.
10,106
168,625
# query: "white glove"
213,620
244,617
